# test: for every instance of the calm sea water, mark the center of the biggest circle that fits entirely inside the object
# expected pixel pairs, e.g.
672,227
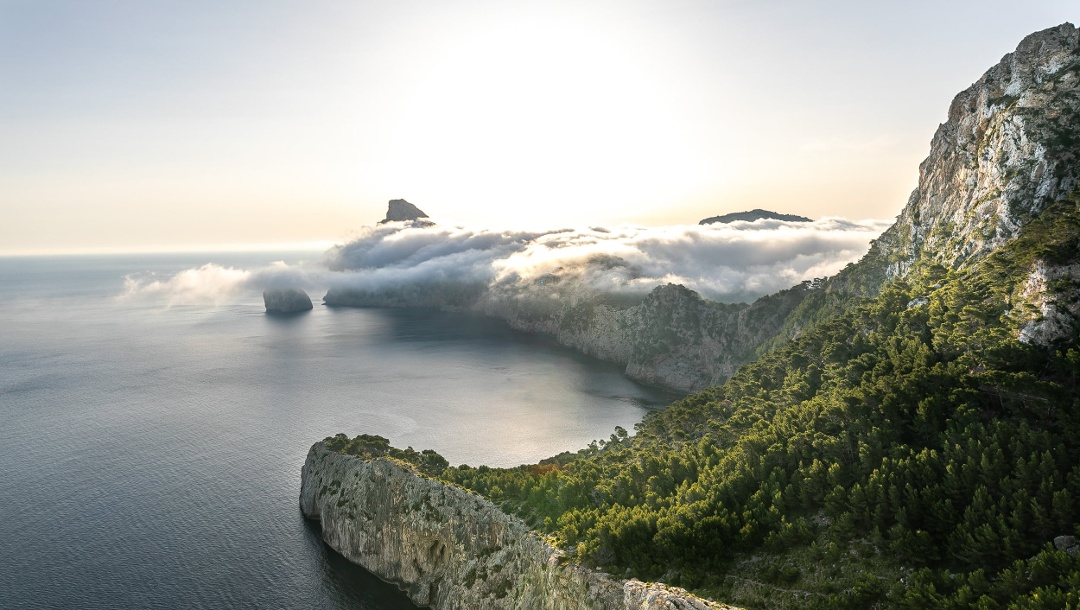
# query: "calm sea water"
150,455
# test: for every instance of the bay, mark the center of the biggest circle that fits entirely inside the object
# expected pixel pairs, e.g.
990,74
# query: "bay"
150,454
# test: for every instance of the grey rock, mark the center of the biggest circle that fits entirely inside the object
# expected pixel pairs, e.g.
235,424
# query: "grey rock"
1051,294
451,549
1068,544
286,300
400,210
1008,150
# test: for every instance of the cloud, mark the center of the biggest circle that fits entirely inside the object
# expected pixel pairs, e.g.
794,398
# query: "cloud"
732,262
212,283
728,262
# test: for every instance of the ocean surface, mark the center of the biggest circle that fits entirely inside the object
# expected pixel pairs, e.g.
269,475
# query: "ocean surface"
150,454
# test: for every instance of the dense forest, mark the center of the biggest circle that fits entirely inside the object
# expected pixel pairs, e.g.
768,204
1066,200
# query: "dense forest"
908,452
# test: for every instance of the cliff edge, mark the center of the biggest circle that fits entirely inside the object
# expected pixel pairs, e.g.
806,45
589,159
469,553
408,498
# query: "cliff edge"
1009,149
451,549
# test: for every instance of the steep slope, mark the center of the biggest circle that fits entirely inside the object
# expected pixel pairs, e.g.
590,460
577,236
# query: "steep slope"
455,549
1009,149
673,338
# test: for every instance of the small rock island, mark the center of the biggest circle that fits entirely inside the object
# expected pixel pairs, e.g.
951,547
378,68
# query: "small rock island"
286,301
400,210
752,215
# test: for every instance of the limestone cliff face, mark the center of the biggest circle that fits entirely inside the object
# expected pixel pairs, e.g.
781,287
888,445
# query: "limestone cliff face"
1010,147
1009,150
450,549
1049,303
673,338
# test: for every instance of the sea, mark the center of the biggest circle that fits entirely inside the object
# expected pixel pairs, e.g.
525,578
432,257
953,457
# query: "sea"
150,451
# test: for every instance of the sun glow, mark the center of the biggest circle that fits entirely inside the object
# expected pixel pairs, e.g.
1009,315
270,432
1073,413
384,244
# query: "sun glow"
546,114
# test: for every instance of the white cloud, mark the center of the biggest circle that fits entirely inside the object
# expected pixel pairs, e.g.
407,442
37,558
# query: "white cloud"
739,261
212,283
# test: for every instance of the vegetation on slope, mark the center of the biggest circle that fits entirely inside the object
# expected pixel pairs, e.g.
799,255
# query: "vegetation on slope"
373,446
910,452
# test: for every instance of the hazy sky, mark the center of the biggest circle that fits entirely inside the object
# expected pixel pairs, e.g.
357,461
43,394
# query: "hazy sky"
135,124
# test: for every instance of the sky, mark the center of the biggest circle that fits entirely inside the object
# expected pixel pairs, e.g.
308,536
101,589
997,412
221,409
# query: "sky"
130,125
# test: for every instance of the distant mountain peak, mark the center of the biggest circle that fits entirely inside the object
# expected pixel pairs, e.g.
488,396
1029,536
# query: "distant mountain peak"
752,215
400,210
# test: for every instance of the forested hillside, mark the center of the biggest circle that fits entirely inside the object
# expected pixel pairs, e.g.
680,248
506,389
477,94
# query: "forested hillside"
912,452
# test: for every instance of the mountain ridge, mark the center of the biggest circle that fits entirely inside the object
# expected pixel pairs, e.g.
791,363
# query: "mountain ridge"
752,215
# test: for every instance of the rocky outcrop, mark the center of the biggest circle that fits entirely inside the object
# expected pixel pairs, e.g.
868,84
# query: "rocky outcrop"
1009,151
1068,544
1010,147
752,215
286,300
1049,303
400,210
451,549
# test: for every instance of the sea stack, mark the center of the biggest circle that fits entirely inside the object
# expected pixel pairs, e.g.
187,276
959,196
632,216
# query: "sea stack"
400,210
286,300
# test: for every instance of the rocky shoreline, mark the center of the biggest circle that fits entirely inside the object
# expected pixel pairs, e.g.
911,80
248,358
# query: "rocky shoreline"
451,549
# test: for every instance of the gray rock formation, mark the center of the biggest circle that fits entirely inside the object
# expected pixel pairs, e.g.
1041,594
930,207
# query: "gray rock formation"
1068,544
1010,147
286,300
752,215
400,210
1009,150
1051,298
451,549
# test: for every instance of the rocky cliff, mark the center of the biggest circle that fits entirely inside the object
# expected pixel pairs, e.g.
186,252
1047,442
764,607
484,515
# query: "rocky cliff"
450,549
1010,147
673,338
1009,151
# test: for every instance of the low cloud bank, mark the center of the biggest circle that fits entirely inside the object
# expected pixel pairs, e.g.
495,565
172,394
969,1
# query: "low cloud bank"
213,283
733,262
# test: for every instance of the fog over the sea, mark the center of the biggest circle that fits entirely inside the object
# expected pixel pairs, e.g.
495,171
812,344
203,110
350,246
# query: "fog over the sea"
732,262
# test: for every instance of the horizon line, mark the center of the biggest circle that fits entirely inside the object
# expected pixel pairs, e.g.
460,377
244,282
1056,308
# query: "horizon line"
288,246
